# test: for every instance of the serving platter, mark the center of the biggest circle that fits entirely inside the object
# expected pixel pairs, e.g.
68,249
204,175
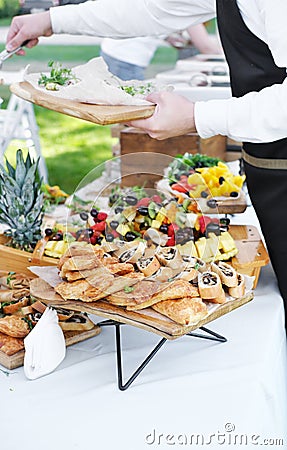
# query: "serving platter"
99,114
251,256
146,319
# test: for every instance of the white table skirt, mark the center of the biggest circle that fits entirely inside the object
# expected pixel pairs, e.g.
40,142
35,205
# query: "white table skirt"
192,387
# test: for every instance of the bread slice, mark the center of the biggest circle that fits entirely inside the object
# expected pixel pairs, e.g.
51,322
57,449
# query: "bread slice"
184,311
210,287
226,273
238,290
148,266
10,345
170,257
77,322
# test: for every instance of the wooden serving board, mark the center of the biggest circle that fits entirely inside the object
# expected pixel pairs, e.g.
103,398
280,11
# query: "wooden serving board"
147,318
71,337
100,114
227,205
252,254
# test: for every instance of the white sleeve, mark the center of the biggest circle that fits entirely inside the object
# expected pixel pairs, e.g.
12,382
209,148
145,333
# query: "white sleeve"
258,116
130,18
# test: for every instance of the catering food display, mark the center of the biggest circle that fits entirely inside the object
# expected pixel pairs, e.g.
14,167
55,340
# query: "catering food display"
202,176
19,314
152,258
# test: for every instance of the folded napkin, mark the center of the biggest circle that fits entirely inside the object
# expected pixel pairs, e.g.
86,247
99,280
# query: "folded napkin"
45,346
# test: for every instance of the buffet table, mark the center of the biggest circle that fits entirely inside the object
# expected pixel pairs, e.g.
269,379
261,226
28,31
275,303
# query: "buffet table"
193,388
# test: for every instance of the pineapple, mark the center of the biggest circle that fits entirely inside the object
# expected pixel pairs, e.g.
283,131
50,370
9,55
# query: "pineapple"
21,202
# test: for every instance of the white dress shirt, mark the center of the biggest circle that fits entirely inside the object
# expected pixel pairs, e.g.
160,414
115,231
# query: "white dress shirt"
257,116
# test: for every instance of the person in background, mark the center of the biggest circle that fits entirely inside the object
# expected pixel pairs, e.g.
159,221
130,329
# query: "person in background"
254,41
129,58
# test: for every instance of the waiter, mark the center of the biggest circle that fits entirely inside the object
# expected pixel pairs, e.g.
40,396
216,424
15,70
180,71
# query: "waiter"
254,41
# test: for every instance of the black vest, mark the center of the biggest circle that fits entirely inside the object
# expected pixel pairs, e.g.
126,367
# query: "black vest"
251,66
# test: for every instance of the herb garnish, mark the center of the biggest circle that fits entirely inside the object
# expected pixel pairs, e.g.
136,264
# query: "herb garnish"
128,289
142,89
29,322
10,277
59,76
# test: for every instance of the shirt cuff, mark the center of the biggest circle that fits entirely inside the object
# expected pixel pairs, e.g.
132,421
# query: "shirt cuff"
211,118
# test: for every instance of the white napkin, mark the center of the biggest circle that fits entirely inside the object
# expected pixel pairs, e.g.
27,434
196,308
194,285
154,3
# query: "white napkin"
45,346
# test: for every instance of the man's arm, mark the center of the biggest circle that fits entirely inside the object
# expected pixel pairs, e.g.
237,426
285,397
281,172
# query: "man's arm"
104,18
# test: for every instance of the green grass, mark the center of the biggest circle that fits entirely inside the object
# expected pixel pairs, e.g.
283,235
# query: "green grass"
71,147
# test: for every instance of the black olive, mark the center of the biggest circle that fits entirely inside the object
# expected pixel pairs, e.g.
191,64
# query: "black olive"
90,232
130,200
224,221
143,210
119,209
113,198
221,180
188,231
58,236
79,233
109,237
212,203
99,239
177,176
203,194
180,237
48,231
84,216
233,194
94,212
130,236
212,227
163,228
114,224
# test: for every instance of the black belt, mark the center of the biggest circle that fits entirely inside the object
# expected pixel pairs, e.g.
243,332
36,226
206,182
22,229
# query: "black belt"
265,163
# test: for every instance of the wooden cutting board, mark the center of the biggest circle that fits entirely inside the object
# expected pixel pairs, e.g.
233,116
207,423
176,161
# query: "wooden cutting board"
71,337
100,114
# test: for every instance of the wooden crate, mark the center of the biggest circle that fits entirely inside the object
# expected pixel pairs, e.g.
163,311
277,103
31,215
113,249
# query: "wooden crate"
13,260
146,167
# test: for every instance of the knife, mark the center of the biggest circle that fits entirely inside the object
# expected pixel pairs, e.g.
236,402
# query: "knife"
5,54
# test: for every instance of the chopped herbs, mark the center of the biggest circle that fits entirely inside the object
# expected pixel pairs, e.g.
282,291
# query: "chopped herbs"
29,322
128,289
142,89
59,76
10,277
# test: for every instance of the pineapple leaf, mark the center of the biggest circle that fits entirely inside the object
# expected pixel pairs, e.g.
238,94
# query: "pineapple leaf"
20,171
10,183
11,170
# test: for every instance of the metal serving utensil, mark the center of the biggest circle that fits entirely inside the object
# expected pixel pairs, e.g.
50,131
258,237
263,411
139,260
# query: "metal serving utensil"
5,54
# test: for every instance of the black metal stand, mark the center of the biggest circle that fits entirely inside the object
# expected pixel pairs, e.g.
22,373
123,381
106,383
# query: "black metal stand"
211,335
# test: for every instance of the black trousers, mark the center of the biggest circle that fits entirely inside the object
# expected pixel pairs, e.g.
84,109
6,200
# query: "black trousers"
268,192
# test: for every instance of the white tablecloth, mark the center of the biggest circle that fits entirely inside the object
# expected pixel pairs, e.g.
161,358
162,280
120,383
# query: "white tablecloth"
215,394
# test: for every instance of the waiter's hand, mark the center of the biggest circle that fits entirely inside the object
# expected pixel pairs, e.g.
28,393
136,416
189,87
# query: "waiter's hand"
173,116
28,28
